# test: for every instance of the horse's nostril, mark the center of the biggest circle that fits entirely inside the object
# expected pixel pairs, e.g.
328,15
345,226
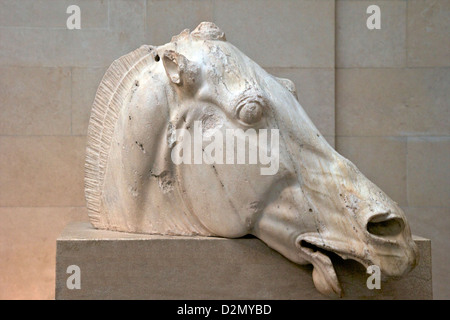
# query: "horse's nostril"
385,227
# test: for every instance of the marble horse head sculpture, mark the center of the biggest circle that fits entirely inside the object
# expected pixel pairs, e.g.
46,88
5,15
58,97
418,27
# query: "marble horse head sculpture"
314,203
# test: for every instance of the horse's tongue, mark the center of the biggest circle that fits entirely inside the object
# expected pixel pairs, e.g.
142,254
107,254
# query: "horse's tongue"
324,276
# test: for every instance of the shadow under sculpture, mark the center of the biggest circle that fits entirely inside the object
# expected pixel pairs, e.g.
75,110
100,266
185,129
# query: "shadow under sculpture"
152,100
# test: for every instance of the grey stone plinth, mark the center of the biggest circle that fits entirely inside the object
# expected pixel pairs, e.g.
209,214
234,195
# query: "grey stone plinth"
115,265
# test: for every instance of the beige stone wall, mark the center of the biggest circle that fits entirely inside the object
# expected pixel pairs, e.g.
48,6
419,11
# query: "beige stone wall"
393,111
382,96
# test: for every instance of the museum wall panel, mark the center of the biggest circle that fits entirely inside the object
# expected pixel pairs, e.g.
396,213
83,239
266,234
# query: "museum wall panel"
381,96
392,110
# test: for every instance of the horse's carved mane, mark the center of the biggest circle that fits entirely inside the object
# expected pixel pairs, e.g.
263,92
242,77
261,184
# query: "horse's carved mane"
108,102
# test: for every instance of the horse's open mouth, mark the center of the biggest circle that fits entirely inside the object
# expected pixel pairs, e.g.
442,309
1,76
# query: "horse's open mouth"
324,274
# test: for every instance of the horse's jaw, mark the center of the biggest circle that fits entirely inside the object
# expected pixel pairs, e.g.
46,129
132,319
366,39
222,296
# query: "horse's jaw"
309,227
324,275
314,248
297,249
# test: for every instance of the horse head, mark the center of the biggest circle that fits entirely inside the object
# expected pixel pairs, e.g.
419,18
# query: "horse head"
310,201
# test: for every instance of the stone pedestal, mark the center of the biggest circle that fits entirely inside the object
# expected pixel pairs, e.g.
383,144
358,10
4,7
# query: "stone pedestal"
116,265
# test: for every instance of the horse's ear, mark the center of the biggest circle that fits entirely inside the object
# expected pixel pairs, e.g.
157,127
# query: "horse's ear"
288,84
179,69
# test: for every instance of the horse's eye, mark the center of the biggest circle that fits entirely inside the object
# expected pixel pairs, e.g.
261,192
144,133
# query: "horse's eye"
250,113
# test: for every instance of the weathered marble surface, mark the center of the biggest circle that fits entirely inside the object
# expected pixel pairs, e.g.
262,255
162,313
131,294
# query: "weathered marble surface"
314,203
